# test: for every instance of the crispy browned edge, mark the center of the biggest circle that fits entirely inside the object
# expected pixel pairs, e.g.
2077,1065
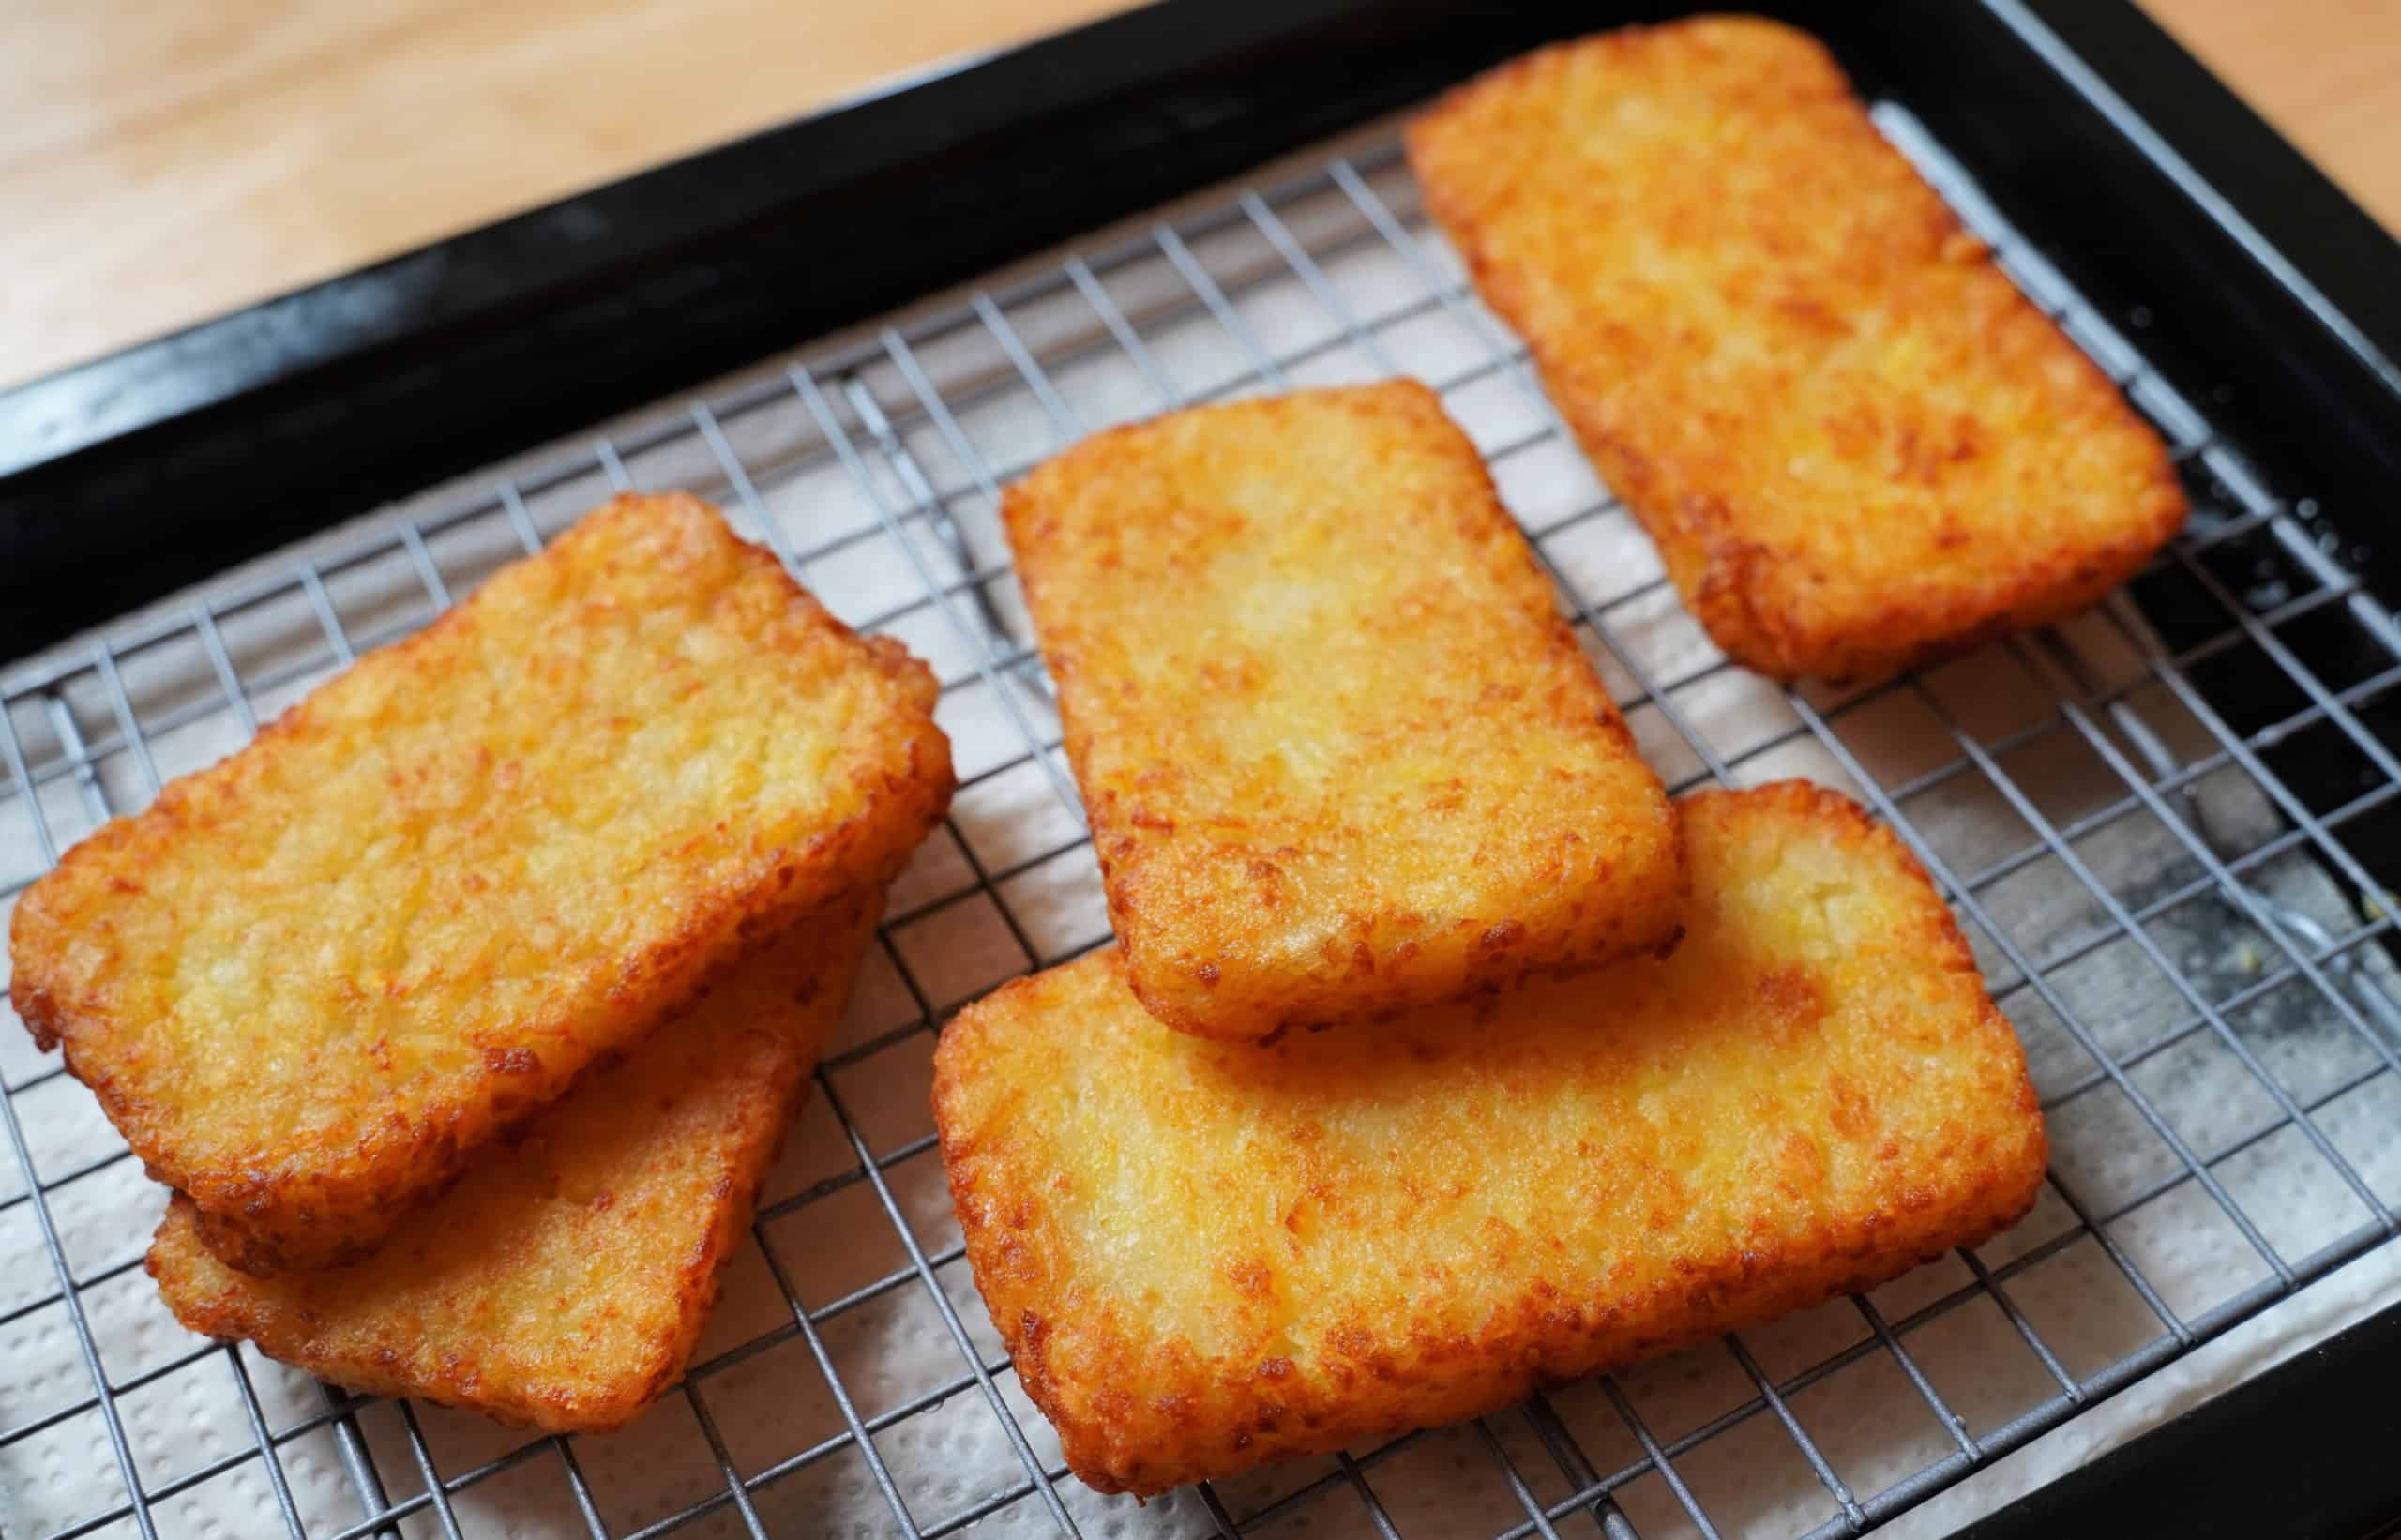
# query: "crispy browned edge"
1488,1373
1116,833
228,1317
259,1221
1723,587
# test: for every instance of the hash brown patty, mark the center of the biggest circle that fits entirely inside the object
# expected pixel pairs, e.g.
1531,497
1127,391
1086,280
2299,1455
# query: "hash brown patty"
310,981
1340,753
562,1283
1206,1256
1857,446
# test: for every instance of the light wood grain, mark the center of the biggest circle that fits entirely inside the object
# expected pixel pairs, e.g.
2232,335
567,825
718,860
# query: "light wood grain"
163,162
2326,72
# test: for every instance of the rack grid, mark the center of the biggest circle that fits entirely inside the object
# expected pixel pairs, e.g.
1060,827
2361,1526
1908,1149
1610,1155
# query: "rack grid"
2193,952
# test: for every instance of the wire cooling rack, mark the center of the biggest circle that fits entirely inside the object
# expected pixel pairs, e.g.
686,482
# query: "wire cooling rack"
2193,950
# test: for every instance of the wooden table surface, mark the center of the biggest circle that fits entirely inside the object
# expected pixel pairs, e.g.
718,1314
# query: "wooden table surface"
161,163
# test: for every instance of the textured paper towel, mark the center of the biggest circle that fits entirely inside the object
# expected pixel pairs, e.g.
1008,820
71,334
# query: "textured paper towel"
955,940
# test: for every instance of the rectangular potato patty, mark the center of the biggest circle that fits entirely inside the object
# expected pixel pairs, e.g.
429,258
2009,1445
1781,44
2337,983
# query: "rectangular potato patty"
1206,1256
1341,754
308,981
1857,446
562,1284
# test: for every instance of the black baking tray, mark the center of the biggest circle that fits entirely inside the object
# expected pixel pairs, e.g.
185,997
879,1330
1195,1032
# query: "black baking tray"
2312,1448
2253,282
127,476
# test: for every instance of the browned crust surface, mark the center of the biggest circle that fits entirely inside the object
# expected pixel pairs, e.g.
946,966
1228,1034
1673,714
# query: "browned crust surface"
1857,446
1206,1256
310,980
562,1283
1340,753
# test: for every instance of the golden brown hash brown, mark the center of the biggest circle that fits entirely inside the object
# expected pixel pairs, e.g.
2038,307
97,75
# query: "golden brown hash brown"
1857,446
1341,754
310,980
1206,1256
562,1283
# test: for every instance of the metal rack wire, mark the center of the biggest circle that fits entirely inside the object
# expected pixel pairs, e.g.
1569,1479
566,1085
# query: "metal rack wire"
872,472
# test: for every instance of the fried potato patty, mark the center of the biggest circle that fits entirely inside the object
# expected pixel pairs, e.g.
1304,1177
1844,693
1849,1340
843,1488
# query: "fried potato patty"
562,1284
1857,446
308,981
1207,1256
1339,751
